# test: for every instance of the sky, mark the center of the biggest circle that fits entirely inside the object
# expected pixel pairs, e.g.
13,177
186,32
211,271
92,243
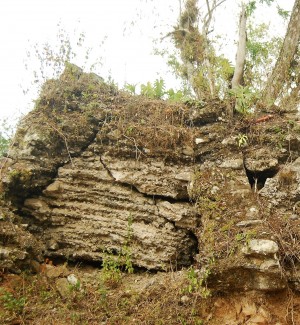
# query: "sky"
125,53
120,32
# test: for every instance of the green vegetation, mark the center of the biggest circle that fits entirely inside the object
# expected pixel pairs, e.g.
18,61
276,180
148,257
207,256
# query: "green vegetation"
111,269
4,144
197,280
11,303
244,99
113,265
6,135
147,126
261,54
157,90
242,140
153,298
208,74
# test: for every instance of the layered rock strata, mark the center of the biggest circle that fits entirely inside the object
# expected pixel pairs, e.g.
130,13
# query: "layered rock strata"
95,172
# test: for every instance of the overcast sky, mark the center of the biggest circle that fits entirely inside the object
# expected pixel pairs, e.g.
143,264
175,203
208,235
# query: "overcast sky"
127,49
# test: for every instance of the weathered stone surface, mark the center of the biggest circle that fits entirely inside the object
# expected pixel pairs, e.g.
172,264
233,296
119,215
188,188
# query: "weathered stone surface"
248,278
261,159
151,177
270,264
205,113
284,189
72,279
248,223
41,145
261,247
233,164
92,212
94,171
17,245
63,287
56,272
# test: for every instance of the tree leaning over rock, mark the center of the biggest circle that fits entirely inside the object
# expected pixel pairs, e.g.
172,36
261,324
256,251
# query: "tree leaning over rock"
281,77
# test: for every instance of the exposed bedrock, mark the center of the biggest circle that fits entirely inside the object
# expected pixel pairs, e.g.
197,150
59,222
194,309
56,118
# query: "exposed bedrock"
90,208
94,172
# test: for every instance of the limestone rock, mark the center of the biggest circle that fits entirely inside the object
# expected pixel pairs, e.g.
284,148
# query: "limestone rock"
151,177
63,287
261,247
249,309
261,159
72,279
184,299
270,264
258,320
93,211
57,271
95,172
233,164
40,144
201,140
206,113
248,223
247,277
17,246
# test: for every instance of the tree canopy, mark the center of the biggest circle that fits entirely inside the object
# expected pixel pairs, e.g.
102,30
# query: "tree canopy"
266,68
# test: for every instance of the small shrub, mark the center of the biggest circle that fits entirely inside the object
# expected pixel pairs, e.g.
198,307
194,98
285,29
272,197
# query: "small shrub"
198,281
176,96
4,144
11,303
242,140
131,88
155,91
244,99
111,269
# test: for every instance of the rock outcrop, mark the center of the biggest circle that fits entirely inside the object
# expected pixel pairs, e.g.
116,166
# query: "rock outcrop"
76,177
95,172
18,247
89,212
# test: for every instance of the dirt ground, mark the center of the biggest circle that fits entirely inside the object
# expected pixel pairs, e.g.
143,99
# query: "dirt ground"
112,297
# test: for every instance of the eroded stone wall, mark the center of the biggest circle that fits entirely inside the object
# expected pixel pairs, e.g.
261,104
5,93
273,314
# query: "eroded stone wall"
170,184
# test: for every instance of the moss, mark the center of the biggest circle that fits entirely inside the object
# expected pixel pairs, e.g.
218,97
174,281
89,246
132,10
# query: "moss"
73,91
19,185
20,179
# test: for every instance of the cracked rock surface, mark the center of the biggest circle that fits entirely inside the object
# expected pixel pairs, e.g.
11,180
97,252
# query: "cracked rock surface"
86,213
87,186
95,172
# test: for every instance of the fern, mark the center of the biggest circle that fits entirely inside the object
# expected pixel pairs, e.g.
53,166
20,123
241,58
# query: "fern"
155,91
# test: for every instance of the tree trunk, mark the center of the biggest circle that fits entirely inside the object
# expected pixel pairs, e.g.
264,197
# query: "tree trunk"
237,79
280,74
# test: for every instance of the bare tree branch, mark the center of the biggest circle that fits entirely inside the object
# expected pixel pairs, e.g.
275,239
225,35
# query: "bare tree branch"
210,9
